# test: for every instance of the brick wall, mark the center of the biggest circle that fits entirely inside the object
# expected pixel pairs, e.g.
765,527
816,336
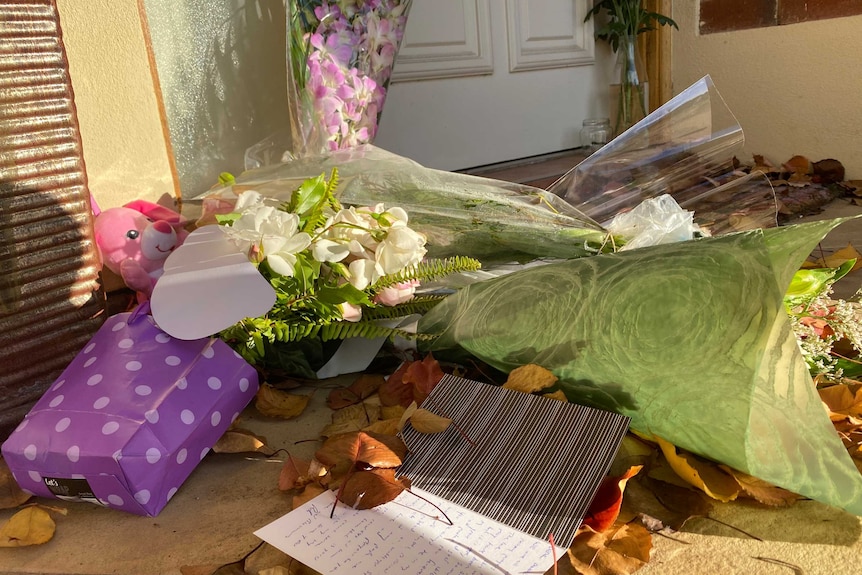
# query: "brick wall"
729,15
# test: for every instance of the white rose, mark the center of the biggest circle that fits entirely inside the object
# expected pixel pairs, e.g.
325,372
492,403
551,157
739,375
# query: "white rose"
402,247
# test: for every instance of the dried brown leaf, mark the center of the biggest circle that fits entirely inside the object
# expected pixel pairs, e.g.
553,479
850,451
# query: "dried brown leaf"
384,426
345,451
669,504
761,491
273,402
391,411
558,395
798,165
238,440
412,381
10,494
364,386
837,258
605,507
705,475
294,474
352,418
619,551
334,429
425,421
530,378
362,413
368,489
30,526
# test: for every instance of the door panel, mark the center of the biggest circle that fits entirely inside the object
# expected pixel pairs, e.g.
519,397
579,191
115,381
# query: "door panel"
485,81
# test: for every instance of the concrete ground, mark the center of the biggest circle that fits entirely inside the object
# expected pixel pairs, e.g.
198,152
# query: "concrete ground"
211,519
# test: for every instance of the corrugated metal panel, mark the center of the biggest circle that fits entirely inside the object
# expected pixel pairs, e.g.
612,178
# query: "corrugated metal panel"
50,298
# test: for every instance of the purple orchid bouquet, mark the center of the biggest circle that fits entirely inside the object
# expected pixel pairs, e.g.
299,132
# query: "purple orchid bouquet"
341,54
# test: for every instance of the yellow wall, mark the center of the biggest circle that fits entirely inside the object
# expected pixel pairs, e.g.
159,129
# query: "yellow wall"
795,89
121,132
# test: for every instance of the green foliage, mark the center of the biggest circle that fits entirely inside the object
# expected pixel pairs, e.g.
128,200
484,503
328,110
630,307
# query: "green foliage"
309,305
429,270
625,18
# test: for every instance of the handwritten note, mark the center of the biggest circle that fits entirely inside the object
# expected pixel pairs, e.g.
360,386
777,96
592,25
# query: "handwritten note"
405,536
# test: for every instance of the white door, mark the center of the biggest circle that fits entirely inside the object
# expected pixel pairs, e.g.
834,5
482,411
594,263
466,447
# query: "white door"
484,81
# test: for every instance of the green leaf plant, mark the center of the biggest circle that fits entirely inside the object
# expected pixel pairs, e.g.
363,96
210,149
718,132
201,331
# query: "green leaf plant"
321,286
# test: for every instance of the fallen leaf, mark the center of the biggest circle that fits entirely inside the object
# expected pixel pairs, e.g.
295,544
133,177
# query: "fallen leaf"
341,453
530,378
425,421
558,395
761,491
798,165
605,507
384,426
30,526
828,171
842,401
368,489
620,551
238,440
352,418
364,386
391,411
10,494
395,391
412,381
667,504
364,412
836,259
704,475
273,402
297,473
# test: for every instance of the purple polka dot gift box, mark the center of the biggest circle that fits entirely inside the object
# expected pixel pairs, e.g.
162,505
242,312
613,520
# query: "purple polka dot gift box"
130,418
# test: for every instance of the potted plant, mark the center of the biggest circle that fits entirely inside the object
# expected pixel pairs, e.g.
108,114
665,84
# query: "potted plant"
625,20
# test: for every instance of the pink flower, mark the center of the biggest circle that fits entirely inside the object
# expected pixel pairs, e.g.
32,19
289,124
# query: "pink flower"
350,312
399,293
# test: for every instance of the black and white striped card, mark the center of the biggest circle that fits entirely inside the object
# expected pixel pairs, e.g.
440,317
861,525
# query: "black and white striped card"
527,461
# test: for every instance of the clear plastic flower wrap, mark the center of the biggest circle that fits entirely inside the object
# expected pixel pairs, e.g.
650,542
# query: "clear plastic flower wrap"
685,149
490,220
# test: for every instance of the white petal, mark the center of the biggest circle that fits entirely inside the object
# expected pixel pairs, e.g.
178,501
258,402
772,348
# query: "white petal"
282,263
363,273
398,213
329,251
247,199
296,243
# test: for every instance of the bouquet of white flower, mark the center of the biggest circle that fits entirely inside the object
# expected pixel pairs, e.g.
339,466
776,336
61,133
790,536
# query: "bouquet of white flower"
336,271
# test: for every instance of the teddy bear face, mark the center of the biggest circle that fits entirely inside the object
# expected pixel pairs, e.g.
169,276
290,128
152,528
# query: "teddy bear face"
126,234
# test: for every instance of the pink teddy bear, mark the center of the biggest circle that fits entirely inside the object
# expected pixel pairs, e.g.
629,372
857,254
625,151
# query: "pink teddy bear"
136,239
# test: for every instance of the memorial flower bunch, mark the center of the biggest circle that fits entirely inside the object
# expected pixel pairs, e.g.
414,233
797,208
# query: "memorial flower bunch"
829,331
337,271
341,57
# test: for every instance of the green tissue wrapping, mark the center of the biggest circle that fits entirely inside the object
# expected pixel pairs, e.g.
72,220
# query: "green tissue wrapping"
690,340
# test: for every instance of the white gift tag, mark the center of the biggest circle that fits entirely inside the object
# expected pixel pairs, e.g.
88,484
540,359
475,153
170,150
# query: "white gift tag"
207,286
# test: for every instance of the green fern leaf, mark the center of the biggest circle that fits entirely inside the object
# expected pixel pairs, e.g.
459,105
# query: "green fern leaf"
429,270
420,305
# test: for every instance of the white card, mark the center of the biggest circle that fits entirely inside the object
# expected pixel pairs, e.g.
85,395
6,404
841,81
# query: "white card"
405,536
207,286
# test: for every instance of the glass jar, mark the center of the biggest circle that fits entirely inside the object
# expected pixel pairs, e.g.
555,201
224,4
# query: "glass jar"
595,133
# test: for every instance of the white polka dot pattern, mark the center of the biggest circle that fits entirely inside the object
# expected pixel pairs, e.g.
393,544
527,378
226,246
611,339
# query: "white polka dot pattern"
128,416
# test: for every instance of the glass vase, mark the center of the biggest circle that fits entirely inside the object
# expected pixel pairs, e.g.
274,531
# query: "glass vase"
629,97
340,56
